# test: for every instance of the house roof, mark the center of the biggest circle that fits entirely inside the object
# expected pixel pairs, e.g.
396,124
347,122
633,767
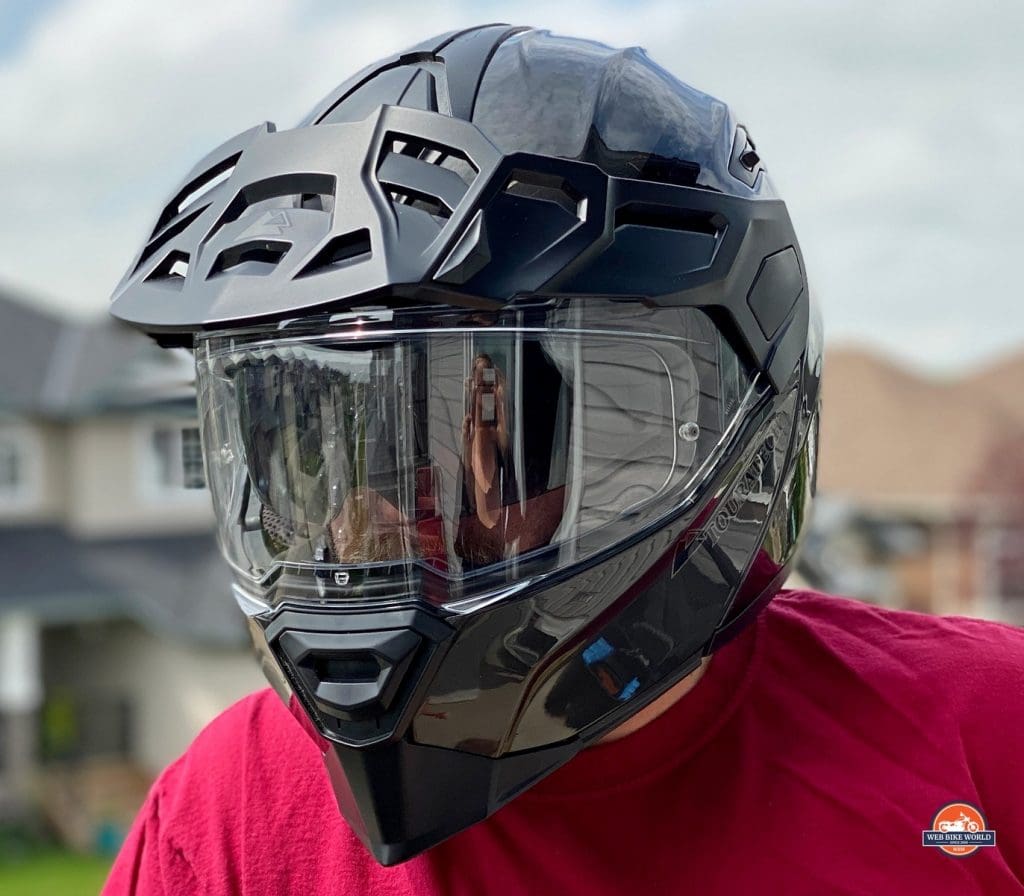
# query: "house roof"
999,385
176,585
57,367
893,436
28,340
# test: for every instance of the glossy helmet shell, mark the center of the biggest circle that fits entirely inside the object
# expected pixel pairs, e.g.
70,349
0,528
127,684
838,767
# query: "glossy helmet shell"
474,170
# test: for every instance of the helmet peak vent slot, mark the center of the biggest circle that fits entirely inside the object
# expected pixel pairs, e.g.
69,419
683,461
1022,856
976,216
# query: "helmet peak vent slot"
448,157
427,176
297,187
253,257
345,249
167,234
196,189
433,207
173,268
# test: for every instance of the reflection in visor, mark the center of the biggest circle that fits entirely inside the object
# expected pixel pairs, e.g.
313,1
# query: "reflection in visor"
461,449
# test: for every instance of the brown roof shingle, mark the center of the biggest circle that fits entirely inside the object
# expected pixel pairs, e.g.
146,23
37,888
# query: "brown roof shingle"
890,436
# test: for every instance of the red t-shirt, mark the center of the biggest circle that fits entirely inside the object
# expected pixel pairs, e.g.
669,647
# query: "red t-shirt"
809,759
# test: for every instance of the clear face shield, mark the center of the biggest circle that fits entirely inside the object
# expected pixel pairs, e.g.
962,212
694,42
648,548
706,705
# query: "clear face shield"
451,457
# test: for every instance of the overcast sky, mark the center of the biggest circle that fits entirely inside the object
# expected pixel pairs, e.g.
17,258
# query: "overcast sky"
895,132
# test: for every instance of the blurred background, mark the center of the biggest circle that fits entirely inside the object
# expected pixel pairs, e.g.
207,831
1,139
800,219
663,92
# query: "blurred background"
893,131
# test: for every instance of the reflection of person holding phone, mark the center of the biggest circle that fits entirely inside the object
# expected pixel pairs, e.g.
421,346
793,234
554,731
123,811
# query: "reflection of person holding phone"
485,440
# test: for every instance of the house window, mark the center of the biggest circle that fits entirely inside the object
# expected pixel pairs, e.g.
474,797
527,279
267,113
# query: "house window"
175,458
77,725
19,460
193,475
11,473
1010,562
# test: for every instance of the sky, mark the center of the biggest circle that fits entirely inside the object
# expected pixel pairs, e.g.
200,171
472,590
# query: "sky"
894,131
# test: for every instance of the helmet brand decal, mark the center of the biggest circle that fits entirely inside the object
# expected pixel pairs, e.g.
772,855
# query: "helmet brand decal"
273,222
723,515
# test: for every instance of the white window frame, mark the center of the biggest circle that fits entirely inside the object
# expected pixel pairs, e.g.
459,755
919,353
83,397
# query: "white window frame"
26,493
151,484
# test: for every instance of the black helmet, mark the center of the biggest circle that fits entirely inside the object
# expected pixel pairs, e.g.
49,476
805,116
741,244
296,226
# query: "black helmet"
508,381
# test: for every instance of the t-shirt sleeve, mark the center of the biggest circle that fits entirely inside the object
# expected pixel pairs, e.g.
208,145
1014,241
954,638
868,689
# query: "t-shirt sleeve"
985,679
148,863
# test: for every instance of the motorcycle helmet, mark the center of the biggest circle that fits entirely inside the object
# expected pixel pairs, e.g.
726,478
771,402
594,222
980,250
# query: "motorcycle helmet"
508,386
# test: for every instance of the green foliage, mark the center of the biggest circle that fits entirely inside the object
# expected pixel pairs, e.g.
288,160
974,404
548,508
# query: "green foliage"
22,838
53,873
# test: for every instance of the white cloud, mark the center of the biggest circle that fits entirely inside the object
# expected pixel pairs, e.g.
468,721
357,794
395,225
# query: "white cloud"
893,130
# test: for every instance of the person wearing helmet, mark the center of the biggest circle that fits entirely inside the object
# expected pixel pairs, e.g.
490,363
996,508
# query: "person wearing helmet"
508,375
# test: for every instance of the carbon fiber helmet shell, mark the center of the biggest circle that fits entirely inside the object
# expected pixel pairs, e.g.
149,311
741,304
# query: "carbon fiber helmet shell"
481,171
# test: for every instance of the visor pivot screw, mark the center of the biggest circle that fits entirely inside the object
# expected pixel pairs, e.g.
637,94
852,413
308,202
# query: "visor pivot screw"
689,431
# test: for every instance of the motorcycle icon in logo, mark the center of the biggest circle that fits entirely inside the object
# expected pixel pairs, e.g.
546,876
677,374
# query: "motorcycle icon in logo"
958,829
963,823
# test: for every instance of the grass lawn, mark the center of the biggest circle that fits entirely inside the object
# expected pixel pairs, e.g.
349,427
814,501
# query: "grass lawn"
52,874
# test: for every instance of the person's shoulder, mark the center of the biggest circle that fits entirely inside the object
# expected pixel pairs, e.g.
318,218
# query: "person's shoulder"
942,694
247,748
242,810
260,722
845,621
980,657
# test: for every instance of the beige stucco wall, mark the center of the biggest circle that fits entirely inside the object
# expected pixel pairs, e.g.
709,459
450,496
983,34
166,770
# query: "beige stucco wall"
174,689
46,469
109,491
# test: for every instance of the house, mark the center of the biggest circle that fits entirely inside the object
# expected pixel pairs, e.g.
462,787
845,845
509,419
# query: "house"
118,634
921,486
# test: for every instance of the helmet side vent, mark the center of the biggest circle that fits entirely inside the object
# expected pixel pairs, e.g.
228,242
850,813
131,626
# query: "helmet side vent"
666,217
654,248
545,187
